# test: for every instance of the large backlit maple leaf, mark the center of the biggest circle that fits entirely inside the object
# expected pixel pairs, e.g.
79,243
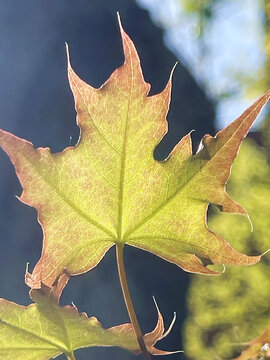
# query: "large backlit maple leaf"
109,189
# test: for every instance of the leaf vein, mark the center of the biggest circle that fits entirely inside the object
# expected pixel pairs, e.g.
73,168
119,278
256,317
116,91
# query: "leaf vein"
50,342
65,199
93,121
123,162
184,242
163,204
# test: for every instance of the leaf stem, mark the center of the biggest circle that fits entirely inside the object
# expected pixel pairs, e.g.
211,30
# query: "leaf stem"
71,356
128,300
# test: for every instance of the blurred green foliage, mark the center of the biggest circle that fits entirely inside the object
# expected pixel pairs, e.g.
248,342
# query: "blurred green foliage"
203,9
234,308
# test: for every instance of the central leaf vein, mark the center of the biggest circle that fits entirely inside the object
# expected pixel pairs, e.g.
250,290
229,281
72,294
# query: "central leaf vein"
123,161
57,346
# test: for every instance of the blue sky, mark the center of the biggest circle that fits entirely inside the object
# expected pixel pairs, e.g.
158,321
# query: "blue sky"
233,45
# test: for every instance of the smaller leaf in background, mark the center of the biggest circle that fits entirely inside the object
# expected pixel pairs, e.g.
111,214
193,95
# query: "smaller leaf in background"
44,330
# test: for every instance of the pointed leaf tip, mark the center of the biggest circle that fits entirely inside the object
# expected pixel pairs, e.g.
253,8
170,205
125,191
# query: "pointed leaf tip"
119,21
159,333
67,52
173,69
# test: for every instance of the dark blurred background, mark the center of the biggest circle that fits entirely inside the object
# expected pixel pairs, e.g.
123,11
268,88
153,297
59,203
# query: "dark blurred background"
36,103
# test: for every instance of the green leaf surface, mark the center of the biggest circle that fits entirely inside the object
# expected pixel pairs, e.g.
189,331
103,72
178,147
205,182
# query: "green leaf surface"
44,330
109,188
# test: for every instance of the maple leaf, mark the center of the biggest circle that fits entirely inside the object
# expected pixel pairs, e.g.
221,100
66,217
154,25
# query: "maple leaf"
109,189
44,330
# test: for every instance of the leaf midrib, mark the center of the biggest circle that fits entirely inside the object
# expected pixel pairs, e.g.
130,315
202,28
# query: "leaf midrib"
64,328
23,330
123,160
